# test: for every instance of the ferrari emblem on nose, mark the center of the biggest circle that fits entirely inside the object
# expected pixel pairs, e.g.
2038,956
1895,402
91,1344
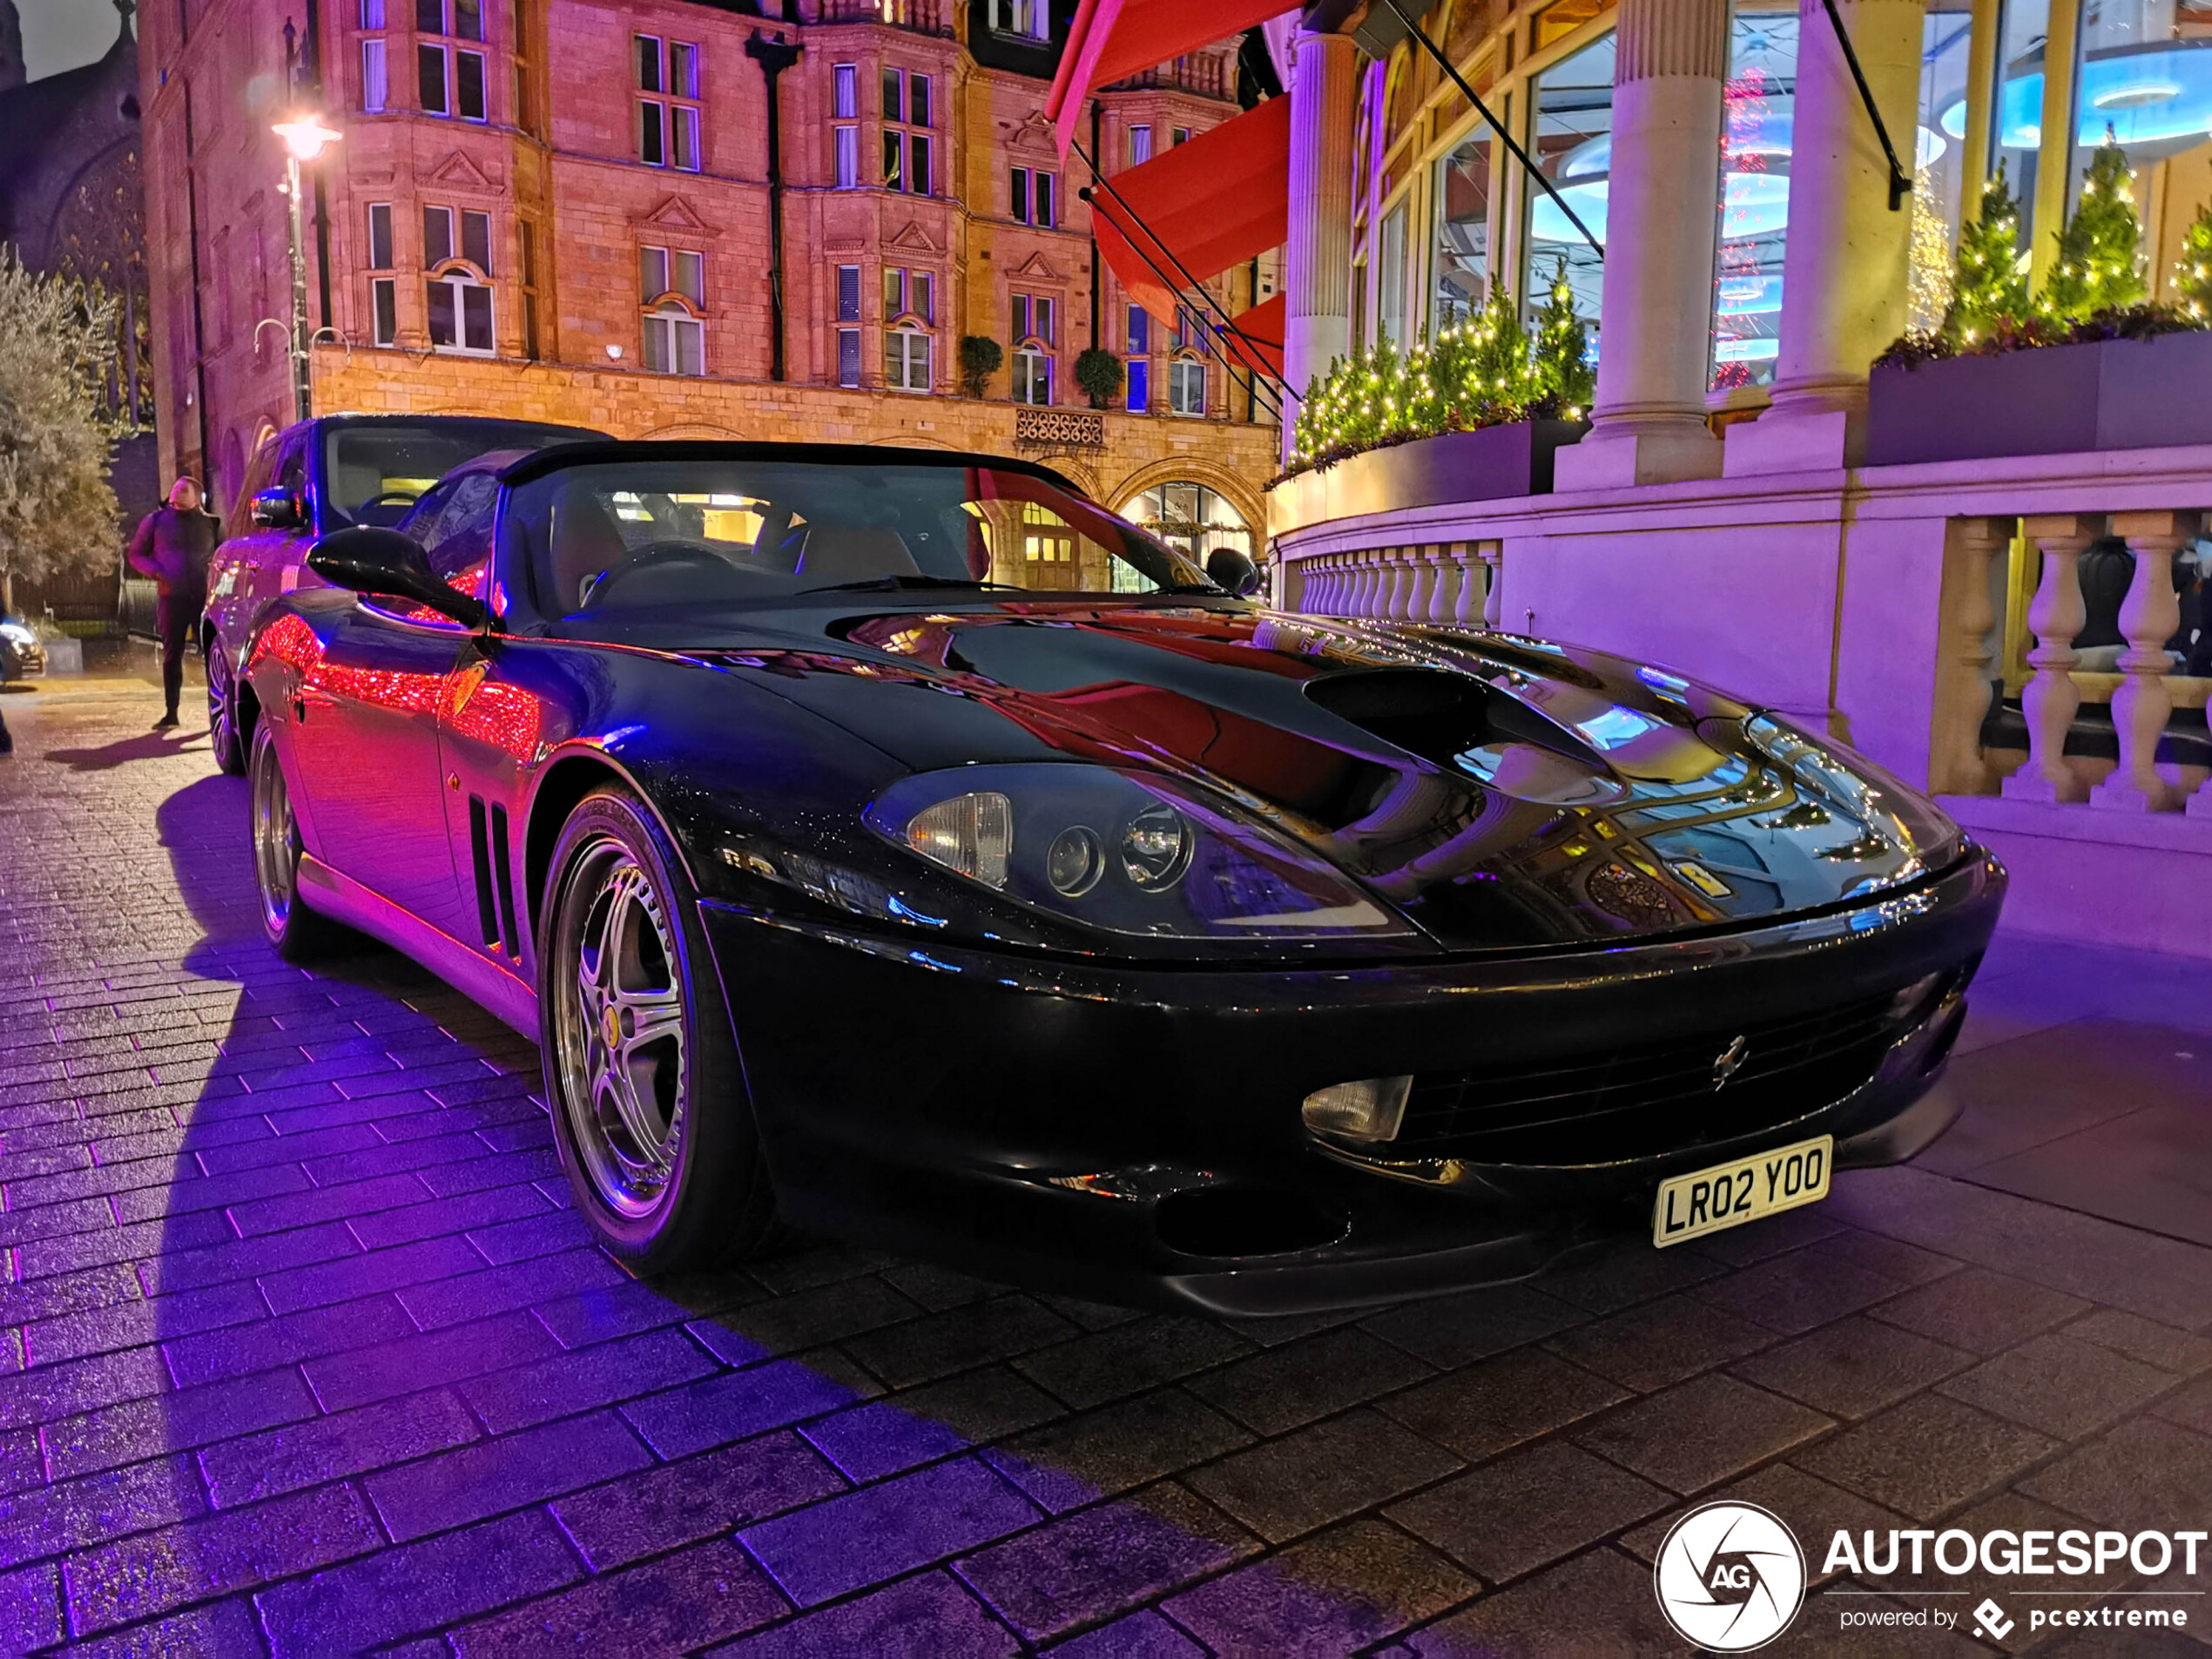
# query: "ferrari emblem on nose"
1729,1059
611,1027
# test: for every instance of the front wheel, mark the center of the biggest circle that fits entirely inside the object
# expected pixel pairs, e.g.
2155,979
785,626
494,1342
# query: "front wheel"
224,736
298,933
649,1104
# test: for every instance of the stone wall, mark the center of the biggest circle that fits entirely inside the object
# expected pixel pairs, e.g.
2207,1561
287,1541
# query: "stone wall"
1138,452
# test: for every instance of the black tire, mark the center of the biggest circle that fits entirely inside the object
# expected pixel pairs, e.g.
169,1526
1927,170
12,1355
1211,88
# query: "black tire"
657,1133
224,738
298,934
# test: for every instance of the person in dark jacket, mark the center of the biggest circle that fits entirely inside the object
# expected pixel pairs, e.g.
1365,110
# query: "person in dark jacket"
173,546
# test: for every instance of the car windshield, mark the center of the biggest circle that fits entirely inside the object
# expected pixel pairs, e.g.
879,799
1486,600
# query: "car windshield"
373,472
687,532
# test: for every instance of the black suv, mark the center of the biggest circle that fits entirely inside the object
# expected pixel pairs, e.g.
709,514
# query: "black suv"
320,475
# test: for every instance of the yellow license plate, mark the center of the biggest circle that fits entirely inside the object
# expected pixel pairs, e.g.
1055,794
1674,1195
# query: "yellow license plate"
1728,1195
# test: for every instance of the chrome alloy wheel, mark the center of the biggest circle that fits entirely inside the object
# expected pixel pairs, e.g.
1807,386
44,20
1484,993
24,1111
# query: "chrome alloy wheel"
222,706
618,1029
276,842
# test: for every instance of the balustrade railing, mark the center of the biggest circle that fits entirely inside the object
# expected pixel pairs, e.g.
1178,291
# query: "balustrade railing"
1435,582
2157,757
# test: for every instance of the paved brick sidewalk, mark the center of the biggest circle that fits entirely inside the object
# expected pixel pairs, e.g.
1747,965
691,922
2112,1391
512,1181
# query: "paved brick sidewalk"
301,1351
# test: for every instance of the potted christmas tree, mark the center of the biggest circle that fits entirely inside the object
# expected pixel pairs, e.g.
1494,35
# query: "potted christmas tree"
2083,365
1474,412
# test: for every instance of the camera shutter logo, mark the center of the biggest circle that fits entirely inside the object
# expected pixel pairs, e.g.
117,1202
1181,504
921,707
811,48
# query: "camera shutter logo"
1729,1577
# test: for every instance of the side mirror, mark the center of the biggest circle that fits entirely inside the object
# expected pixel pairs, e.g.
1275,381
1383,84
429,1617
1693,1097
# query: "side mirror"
280,509
364,560
1227,568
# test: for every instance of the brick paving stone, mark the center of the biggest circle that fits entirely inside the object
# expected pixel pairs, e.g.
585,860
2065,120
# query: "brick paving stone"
1098,1562
2190,1406
698,1498
919,1350
1284,1388
2145,1339
1627,1271
1128,1360
1142,1634
2144,1473
74,1515
416,1587
1501,1401
870,1441
118,1434
485,1477
1796,1293
46,1392
1817,1512
733,1406
1701,1432
981,1406
517,1397
1458,1330
31,1608
253,1466
410,1359
129,1324
805,1319
1070,1462
700,1594
438,1216
220,1630
1345,1588
927,1618
1656,1343
1528,1508
499,1290
861,1538
1981,1310
2065,1388
1597,1603
1854,1367
605,1311
1281,1488
1927,1456
177,1268
311,1333
154,1571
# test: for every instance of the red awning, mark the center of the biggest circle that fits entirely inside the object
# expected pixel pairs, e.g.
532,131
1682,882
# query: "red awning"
1112,40
1203,206
1258,343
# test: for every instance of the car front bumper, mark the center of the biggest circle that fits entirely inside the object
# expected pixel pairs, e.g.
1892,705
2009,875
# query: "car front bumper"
1133,1133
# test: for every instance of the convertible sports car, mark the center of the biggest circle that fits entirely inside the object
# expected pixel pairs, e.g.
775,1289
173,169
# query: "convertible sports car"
895,843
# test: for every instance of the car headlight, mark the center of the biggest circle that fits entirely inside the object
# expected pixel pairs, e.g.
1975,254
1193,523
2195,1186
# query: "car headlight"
1839,774
16,634
1127,852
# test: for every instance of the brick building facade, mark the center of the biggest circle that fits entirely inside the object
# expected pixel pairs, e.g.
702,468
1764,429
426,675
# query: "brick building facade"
533,201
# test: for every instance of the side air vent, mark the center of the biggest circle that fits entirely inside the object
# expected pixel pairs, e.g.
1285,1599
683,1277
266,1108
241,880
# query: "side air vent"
504,882
479,860
1436,714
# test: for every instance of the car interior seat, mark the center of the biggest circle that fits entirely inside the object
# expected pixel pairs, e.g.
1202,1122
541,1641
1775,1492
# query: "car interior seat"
840,553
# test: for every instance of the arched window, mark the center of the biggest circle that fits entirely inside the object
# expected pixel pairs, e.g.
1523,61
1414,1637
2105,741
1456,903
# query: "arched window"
672,287
460,279
1190,516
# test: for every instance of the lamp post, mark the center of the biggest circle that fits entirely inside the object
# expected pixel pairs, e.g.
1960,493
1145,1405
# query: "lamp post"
304,137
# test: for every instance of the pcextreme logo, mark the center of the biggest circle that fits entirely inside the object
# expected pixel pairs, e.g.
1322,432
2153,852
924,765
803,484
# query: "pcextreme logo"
1729,1577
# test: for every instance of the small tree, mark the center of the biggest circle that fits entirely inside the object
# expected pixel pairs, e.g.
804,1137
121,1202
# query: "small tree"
1099,372
1562,368
2097,266
980,357
57,512
1988,285
2193,271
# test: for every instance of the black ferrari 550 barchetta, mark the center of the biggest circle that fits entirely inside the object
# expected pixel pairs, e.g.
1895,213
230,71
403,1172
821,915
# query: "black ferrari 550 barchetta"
896,843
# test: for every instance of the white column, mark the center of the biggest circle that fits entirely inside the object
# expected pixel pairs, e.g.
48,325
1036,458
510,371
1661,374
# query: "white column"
1424,589
1649,421
1846,255
1317,275
1492,554
2148,617
1444,601
2054,616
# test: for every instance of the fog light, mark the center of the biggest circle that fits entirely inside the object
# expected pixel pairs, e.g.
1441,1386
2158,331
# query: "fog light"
1370,1110
973,834
1074,861
1913,997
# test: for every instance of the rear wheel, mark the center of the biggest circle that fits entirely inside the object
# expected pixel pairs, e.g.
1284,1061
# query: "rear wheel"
649,1104
298,933
224,735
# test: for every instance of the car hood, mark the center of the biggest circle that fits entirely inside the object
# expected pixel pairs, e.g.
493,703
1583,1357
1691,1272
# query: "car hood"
1499,790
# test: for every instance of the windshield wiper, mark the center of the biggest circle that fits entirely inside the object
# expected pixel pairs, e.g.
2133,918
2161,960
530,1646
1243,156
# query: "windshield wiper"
893,583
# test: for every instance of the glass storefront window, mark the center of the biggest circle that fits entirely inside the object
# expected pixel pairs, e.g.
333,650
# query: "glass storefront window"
2016,113
1940,177
1190,517
1390,283
1757,107
1573,143
1462,260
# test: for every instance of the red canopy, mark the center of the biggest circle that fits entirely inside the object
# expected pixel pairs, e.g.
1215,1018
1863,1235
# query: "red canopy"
1258,343
1202,207
1112,40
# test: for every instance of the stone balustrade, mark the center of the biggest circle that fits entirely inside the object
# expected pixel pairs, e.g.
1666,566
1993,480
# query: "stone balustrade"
1445,583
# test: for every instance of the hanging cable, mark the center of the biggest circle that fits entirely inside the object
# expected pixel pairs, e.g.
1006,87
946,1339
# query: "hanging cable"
1527,163
1183,279
1901,180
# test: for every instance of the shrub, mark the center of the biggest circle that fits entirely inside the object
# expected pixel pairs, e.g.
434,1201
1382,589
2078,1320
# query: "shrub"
1099,372
980,357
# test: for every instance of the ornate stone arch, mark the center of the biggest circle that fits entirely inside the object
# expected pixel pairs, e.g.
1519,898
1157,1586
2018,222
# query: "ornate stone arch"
693,430
910,440
1189,469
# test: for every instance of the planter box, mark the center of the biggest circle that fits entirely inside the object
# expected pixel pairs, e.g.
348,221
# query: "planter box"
1496,462
2055,400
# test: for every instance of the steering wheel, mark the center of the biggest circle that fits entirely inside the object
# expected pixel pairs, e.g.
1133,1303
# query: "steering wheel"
659,553
405,498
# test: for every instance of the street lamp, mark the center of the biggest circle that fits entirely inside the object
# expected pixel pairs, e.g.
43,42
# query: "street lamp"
304,137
